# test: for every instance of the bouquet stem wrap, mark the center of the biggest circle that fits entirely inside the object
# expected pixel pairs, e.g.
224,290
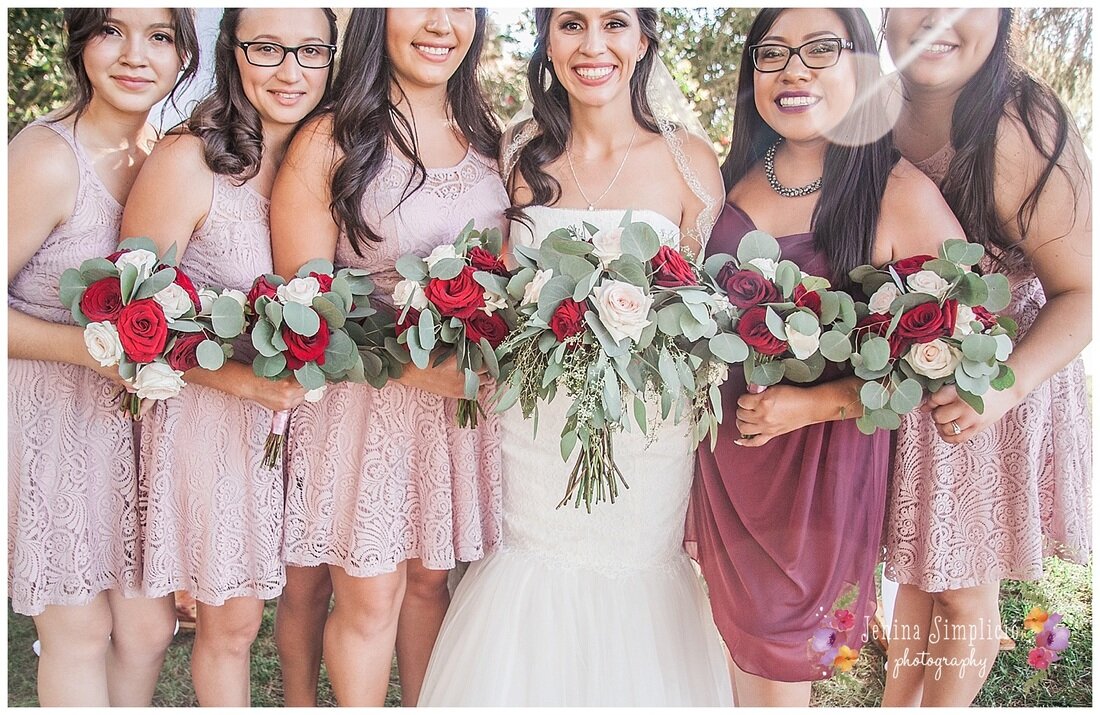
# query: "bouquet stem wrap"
276,439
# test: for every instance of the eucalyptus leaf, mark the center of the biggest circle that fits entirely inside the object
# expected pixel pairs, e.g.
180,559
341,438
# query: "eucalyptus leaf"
331,313
906,396
262,333
640,241
835,346
766,374
875,353
412,267
316,265
998,293
310,376
155,283
302,319
874,396
979,348
729,348
209,354
757,244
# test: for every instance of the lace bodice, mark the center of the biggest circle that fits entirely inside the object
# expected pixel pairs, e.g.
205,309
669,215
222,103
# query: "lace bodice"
432,216
233,245
91,231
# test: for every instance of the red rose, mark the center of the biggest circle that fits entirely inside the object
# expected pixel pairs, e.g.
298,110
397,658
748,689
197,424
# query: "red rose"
807,298
301,349
568,319
182,355
411,319
950,316
983,316
491,327
923,323
117,254
325,281
746,288
102,300
908,266
482,260
260,287
878,324
754,330
183,281
460,296
670,270
142,330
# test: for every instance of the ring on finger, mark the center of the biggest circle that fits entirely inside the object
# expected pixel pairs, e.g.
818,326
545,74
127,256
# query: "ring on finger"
955,429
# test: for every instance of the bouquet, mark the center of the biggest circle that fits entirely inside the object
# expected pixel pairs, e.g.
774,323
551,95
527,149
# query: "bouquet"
143,315
376,337
929,322
787,323
603,314
301,328
456,297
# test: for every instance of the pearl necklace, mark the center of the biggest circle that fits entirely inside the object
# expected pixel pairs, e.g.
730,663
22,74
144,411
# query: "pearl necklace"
769,172
592,204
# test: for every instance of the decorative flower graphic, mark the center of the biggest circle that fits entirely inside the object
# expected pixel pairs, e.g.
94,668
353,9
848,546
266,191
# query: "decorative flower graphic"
827,646
1051,638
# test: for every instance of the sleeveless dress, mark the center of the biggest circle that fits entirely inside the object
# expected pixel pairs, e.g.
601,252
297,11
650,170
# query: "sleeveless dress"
213,515
786,529
583,609
73,528
376,477
993,507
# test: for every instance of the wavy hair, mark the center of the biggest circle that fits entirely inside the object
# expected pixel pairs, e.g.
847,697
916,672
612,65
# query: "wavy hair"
854,177
225,121
550,108
367,125
84,24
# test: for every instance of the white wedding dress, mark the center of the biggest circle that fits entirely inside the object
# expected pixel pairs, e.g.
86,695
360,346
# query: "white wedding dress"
583,609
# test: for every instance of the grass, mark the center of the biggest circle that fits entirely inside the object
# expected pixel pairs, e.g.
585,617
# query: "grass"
1067,589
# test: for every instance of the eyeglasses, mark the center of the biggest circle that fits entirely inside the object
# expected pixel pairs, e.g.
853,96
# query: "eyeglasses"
816,55
272,54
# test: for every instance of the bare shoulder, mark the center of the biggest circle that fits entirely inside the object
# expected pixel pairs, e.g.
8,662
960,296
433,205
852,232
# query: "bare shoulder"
182,154
911,196
313,150
915,218
43,161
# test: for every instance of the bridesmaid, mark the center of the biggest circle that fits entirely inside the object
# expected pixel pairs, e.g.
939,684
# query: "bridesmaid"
383,488
789,520
74,560
980,498
214,515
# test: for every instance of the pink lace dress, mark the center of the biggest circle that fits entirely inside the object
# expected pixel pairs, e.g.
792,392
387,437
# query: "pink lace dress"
376,477
73,528
994,507
213,515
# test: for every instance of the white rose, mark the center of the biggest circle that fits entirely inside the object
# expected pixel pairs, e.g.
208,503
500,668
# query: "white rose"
719,305
141,259
103,344
439,253
928,282
883,297
533,290
158,381
174,300
299,290
803,346
623,309
963,318
236,295
934,359
493,302
409,293
206,300
608,245
316,394
766,265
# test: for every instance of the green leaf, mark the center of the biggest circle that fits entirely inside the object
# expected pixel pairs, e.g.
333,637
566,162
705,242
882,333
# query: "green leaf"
490,357
608,343
317,265
640,414
830,306
715,262
787,276
209,354
640,241
729,348
584,287
973,400
944,269
973,385
128,282
766,374
425,329
906,397
412,267
71,288
612,398
874,396
302,319
629,269
155,283
340,353
185,326
310,376
757,244
796,370
227,318
775,323
328,310
95,269
999,295
553,293
803,322
269,366
472,383
885,419
1004,380
568,442
875,353
576,268
669,319
518,282
135,243
971,290
667,368
261,338
446,268
979,348
274,311
962,252
865,424
835,346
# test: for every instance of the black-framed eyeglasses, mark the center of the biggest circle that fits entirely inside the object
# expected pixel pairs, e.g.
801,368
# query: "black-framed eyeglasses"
816,54
272,54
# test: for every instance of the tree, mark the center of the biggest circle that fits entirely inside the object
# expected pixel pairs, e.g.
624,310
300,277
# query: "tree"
1057,44
36,74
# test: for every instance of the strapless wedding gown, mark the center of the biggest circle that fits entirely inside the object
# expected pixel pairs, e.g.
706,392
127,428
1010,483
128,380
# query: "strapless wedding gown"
577,608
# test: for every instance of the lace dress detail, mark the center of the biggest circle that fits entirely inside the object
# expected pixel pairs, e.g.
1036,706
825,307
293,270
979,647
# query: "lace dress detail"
994,507
213,515
73,528
376,477
572,589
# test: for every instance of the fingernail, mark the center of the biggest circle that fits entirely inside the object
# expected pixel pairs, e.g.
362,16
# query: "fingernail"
738,443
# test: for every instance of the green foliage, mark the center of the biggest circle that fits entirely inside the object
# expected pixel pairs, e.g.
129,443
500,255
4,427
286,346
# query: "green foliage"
36,75
1057,44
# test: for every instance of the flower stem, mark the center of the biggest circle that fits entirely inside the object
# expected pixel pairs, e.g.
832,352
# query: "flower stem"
595,477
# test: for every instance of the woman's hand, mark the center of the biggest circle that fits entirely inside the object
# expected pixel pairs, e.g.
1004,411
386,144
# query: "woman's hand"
444,380
275,395
777,410
958,422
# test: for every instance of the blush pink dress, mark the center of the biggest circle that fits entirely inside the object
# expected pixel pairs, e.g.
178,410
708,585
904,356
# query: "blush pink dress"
993,507
73,528
213,515
376,477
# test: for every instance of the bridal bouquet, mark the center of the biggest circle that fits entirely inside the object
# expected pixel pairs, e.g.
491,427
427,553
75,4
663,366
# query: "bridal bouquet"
457,298
929,322
301,328
606,315
143,315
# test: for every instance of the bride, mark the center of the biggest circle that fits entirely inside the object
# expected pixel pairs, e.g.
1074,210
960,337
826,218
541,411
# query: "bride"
601,608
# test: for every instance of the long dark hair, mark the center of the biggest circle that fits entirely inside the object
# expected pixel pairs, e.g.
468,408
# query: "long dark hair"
226,122
1001,85
854,176
366,123
550,108
84,24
